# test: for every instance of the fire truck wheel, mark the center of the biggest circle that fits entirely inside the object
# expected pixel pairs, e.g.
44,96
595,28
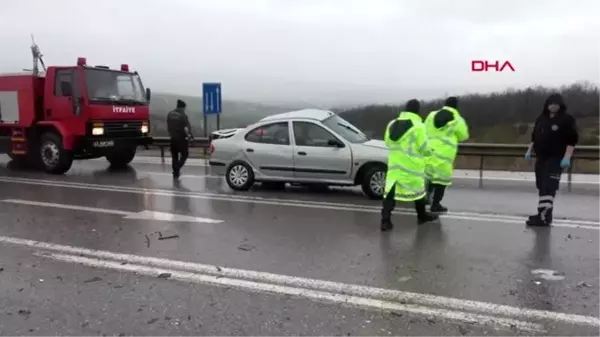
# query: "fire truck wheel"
53,157
121,158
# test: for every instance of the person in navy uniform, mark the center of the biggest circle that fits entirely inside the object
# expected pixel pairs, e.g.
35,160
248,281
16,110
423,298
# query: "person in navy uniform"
553,140
180,132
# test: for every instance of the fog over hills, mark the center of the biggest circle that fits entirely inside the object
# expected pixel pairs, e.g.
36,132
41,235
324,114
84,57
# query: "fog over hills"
235,113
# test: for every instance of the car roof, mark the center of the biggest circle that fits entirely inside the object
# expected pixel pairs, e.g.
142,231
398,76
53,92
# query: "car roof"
317,114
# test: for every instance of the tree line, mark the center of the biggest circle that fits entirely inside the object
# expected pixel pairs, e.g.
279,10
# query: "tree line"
500,117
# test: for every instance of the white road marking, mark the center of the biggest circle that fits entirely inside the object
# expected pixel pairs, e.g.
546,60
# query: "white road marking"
580,179
490,175
190,176
322,296
283,202
307,283
156,160
142,215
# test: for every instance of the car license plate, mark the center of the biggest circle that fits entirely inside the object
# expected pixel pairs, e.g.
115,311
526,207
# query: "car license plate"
103,143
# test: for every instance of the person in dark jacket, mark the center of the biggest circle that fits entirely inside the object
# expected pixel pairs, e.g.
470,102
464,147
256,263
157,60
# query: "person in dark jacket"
180,133
553,140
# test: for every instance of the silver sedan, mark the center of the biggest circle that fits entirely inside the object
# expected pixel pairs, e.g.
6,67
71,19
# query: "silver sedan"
307,147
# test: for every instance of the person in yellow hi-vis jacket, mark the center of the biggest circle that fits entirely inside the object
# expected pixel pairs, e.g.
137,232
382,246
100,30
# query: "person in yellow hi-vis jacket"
406,140
445,129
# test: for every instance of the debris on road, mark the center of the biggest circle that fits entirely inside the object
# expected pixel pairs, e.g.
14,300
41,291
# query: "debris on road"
164,275
161,237
25,312
549,274
246,247
93,279
583,284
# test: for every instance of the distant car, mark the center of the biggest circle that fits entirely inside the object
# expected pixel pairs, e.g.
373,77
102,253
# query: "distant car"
307,147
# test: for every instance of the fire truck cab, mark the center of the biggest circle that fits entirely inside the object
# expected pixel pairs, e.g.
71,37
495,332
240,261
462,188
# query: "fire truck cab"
73,112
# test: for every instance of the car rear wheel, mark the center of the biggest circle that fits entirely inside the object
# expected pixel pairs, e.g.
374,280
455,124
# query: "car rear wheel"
239,176
373,184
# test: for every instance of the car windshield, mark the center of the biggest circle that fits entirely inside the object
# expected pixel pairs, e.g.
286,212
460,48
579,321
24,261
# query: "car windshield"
346,130
110,87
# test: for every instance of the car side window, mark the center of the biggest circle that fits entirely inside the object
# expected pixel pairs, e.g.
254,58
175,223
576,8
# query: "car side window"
276,133
310,134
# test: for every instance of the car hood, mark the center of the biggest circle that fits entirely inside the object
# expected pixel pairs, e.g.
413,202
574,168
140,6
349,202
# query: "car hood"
375,143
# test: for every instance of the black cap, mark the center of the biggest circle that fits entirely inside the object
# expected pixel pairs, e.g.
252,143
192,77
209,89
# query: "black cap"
413,105
181,104
555,99
452,102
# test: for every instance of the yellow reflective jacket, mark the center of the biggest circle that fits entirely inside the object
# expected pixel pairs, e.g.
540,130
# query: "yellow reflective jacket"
445,129
406,140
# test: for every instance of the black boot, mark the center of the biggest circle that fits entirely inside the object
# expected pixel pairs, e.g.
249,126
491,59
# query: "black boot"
537,221
386,225
427,217
438,195
438,208
422,215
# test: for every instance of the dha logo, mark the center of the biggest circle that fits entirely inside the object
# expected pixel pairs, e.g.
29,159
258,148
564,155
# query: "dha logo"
124,109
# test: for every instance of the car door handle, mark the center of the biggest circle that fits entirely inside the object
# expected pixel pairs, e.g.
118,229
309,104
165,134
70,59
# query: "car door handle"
302,153
249,150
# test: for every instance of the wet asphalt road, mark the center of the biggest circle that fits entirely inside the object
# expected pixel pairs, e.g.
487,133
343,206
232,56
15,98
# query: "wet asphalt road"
481,251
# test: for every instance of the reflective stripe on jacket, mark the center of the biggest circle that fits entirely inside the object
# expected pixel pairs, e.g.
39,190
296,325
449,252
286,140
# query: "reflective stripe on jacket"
406,140
445,129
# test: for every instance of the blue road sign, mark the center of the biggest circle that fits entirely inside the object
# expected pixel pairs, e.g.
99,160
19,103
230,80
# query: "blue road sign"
211,98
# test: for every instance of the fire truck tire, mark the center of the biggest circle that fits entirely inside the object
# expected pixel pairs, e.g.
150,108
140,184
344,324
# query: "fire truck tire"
53,157
121,158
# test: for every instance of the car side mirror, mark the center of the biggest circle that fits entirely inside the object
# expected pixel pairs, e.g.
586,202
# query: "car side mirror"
335,142
148,94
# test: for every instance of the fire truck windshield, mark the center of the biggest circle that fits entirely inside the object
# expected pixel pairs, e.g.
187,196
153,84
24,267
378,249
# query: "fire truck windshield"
106,86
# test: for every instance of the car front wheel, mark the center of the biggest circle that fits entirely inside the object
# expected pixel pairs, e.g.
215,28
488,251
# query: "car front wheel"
373,184
239,176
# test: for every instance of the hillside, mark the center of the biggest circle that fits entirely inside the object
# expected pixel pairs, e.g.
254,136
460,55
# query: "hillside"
504,117
235,113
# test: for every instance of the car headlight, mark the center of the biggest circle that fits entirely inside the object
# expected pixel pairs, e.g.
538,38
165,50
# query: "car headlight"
98,131
144,129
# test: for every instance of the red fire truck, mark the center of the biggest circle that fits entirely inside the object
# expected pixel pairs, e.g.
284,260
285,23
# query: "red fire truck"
50,118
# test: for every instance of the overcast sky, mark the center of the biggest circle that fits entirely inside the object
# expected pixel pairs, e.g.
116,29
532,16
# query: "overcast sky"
316,51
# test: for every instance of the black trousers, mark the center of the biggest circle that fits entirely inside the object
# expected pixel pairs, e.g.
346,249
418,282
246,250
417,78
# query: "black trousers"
547,181
389,203
179,153
435,193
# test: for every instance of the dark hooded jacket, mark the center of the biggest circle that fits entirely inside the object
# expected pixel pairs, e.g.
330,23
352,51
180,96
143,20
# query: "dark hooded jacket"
400,127
552,135
177,121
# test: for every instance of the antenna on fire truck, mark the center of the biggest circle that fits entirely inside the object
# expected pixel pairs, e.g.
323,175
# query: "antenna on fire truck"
37,56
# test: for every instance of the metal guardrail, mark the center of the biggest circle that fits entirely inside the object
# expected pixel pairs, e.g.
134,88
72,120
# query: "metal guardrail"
165,142
481,150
